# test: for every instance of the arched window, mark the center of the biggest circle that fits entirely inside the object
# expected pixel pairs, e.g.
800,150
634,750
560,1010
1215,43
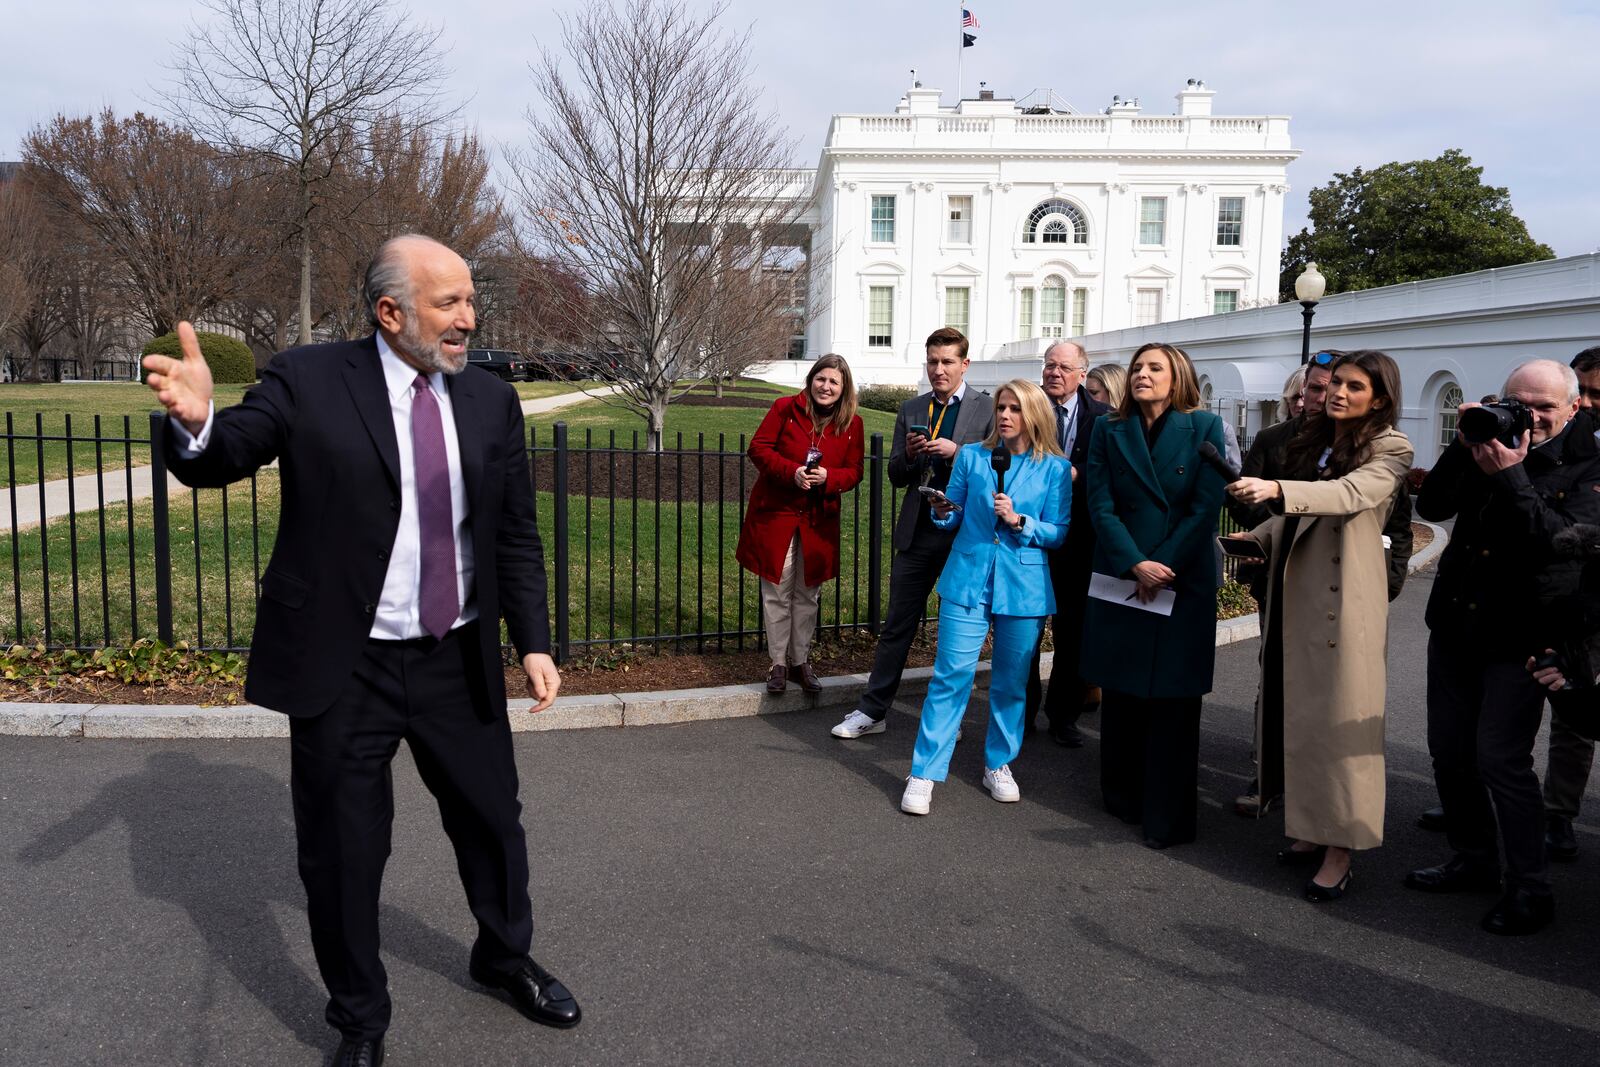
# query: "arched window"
1056,222
1053,307
1450,398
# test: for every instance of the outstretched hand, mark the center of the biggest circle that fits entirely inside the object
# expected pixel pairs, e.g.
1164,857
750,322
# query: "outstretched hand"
183,385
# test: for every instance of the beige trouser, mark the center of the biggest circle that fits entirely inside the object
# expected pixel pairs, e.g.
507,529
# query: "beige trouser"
790,609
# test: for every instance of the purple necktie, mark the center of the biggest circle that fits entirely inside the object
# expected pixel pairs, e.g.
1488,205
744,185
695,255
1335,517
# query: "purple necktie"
441,602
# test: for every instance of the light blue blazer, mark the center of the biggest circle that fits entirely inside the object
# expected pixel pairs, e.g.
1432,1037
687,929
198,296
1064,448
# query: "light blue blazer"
1041,492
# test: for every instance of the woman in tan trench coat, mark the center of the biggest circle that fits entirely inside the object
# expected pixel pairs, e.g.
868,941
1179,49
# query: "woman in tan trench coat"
1327,621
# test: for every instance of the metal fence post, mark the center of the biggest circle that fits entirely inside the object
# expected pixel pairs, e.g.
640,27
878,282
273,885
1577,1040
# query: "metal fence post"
163,542
875,526
563,604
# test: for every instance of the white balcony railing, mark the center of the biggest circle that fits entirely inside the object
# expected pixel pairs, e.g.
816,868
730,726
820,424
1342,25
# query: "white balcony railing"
949,131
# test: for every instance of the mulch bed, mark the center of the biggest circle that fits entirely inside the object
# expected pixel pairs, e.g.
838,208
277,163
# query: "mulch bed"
1421,537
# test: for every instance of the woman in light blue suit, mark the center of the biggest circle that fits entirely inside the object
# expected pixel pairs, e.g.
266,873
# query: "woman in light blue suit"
997,575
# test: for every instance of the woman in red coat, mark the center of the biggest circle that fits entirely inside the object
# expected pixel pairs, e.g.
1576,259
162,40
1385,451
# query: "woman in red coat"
807,454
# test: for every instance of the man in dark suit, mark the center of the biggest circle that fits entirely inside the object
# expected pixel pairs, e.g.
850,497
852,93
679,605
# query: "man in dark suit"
406,534
927,433
1065,365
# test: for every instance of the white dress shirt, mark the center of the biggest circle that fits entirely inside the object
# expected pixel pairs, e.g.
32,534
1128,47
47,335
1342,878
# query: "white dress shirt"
399,615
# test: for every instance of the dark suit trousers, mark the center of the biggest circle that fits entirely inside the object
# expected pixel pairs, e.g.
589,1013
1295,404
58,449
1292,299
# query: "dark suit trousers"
1150,763
914,573
1566,774
1483,715
1063,700
432,695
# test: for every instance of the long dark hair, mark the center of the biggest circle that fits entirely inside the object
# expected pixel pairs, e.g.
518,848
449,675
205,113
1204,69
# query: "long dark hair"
1317,433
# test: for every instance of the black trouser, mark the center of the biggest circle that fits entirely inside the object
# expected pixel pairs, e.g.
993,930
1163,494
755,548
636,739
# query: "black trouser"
1063,700
1566,774
431,694
912,576
1150,762
1483,715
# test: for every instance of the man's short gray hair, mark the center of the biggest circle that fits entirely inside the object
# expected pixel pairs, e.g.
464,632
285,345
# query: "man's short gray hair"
1569,377
389,275
1082,356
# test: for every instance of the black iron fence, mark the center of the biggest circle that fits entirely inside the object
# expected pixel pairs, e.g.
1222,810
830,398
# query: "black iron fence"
639,545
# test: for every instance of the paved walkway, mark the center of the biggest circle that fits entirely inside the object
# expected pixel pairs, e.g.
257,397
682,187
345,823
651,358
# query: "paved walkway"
745,892
61,494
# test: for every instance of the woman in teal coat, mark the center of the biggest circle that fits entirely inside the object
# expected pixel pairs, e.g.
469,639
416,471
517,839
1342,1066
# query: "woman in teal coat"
1154,504
997,575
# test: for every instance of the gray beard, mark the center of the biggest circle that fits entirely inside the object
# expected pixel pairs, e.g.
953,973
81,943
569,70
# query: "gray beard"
430,356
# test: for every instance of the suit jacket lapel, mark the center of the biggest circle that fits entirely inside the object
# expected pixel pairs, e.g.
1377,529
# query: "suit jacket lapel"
464,398
964,415
1129,436
1176,441
369,390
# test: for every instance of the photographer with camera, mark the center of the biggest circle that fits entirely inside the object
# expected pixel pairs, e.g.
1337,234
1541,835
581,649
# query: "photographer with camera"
1518,474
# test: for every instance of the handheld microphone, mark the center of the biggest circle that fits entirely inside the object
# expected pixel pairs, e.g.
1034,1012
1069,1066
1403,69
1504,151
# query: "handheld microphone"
1219,462
1000,461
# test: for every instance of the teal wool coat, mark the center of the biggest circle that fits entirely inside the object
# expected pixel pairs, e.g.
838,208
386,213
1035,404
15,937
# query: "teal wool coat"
1161,507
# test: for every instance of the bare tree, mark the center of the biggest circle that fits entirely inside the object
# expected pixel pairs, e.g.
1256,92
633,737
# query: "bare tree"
176,215
21,243
652,168
754,316
302,83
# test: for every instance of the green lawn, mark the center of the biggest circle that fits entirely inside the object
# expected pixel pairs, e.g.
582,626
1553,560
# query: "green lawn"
600,417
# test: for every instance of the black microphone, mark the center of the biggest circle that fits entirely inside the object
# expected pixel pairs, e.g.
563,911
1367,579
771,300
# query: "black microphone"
1219,462
1000,460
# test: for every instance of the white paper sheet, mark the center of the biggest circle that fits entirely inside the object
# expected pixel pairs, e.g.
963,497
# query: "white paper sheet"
1121,591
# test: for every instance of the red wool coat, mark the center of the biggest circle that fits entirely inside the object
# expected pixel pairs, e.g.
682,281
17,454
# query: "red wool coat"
778,507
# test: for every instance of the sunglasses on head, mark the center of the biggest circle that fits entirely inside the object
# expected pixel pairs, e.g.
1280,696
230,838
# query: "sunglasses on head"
1322,359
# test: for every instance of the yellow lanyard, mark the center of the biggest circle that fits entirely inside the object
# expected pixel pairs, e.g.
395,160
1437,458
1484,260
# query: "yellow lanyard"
933,431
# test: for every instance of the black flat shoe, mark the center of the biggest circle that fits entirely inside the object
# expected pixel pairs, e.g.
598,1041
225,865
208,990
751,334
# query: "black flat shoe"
536,992
1520,913
1560,843
1431,820
1321,894
1294,857
1455,875
359,1052
1067,736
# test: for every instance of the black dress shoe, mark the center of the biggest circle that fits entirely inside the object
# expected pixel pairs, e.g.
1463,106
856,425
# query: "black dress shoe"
1520,912
1456,875
1431,820
1294,857
1559,840
1067,735
535,991
359,1052
1318,893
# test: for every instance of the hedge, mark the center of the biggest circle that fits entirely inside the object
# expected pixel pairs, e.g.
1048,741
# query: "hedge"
230,360
884,397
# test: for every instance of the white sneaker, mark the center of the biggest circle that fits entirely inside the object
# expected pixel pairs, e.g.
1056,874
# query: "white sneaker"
1001,785
918,796
857,725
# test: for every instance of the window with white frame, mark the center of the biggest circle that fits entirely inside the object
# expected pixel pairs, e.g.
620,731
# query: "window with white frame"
880,316
1053,308
1450,398
1152,220
883,219
1147,307
1025,314
1056,222
958,307
1230,221
960,229
1080,312
1224,301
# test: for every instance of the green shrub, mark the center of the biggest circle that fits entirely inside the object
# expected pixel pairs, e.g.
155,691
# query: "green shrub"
1234,600
884,397
230,360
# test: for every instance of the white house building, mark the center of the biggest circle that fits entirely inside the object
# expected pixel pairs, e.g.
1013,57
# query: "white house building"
1020,222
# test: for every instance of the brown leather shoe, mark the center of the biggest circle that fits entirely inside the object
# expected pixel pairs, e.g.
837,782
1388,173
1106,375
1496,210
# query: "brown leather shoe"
809,682
777,678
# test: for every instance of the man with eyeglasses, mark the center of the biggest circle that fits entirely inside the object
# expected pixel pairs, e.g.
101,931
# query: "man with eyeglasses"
1065,365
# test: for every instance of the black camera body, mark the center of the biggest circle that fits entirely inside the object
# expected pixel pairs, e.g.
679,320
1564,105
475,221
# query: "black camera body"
1504,421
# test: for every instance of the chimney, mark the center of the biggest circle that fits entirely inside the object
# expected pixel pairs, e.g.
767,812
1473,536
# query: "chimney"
985,94
1194,98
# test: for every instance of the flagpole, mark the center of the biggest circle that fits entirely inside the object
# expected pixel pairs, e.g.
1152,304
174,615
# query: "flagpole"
961,44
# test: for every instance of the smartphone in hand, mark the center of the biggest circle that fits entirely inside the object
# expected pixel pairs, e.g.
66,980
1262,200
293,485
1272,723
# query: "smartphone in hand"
1241,547
937,498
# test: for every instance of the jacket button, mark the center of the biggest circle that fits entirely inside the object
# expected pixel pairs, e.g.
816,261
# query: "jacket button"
1333,644
383,556
370,609
394,505
1180,470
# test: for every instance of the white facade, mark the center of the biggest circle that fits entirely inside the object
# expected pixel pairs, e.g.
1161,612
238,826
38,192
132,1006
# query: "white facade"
1454,339
1021,227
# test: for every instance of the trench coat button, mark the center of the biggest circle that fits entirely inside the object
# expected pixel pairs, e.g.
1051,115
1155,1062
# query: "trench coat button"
1330,616
1333,644
1336,559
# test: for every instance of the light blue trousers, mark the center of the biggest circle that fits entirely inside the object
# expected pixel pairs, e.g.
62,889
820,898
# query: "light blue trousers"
961,633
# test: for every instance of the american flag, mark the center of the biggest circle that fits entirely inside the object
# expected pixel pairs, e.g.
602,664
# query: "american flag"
968,20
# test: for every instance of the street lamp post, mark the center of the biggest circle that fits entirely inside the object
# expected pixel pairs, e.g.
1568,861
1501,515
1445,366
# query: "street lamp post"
1308,289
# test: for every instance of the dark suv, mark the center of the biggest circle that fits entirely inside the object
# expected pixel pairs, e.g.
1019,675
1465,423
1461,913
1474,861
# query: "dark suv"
507,366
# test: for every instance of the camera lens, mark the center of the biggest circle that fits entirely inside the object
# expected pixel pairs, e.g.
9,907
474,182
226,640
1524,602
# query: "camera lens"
1483,424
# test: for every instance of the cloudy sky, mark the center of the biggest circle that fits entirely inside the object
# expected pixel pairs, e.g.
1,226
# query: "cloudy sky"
1365,82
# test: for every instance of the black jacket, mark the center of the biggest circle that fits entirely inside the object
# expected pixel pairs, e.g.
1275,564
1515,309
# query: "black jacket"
1500,586
1078,549
323,412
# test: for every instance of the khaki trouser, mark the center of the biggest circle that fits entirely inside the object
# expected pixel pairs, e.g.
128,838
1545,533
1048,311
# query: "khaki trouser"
790,610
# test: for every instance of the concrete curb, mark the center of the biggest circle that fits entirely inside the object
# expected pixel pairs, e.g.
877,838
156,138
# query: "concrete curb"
1431,553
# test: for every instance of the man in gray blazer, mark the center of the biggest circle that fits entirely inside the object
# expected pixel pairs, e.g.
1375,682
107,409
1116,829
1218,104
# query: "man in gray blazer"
927,433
